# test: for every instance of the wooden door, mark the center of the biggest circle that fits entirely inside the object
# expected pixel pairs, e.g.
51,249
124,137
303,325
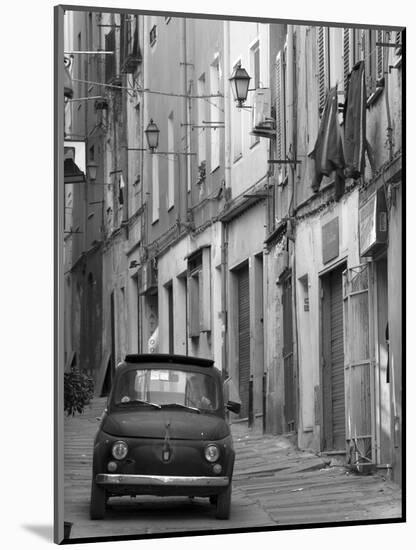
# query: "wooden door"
359,366
289,370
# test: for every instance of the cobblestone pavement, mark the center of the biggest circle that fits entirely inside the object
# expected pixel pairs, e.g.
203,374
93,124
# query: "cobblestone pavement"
273,484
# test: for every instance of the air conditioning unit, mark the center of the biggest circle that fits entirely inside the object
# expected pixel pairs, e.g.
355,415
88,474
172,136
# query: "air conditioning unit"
263,123
149,277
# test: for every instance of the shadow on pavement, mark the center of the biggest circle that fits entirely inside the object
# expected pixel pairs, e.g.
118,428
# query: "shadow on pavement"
43,531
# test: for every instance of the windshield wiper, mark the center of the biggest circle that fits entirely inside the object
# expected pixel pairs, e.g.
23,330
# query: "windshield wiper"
194,409
140,402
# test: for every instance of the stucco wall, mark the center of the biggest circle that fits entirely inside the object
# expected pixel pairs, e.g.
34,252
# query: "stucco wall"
309,262
395,258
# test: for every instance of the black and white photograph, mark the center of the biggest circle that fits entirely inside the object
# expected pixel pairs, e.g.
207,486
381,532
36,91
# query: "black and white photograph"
229,242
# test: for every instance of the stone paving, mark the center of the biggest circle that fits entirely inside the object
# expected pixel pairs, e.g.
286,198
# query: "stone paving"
274,484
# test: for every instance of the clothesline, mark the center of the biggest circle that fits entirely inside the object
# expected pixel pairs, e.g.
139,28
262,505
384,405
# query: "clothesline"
142,90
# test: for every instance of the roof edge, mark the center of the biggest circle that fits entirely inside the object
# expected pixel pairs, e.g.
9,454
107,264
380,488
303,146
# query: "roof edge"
168,358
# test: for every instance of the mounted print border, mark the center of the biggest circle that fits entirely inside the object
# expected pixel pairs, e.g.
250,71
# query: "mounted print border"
229,251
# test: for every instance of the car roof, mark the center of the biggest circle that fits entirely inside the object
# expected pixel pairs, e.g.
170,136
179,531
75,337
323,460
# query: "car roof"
168,358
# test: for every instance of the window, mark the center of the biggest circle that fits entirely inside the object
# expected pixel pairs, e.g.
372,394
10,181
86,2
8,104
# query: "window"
78,61
110,59
215,113
152,35
166,387
90,32
237,130
255,83
155,188
171,163
199,292
194,275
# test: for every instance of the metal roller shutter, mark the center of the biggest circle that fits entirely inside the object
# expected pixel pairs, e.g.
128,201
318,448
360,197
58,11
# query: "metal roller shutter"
244,339
337,361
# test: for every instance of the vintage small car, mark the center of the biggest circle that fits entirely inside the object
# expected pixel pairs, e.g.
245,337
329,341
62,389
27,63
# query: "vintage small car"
164,432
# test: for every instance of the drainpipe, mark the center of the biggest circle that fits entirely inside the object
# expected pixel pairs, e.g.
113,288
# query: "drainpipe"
186,108
292,137
227,186
290,113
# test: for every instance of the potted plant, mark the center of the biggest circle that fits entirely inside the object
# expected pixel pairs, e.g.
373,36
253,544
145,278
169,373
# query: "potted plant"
78,391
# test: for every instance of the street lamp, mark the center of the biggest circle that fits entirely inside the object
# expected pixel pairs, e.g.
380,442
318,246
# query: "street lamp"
92,170
239,84
152,135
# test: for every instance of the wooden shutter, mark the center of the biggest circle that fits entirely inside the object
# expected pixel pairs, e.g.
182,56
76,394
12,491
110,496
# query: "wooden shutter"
289,371
369,53
349,53
205,289
280,115
359,365
398,40
380,55
323,66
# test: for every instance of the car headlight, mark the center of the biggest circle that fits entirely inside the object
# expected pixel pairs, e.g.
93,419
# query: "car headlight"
212,453
119,450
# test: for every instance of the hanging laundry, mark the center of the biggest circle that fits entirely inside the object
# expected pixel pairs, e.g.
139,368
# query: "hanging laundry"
328,152
355,122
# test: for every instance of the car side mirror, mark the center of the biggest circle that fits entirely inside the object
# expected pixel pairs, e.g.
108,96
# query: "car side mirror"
233,406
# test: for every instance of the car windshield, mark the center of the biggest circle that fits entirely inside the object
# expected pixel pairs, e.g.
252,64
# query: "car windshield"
167,387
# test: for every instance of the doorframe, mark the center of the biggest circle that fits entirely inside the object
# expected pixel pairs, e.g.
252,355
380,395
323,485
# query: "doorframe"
341,265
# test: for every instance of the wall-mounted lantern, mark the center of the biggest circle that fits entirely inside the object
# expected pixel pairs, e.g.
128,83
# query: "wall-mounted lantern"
240,81
92,170
152,135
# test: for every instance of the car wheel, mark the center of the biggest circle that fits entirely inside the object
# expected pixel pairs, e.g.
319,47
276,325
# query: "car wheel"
224,504
97,502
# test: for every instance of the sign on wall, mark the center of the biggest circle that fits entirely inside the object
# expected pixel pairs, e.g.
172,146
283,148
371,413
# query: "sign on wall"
330,240
373,224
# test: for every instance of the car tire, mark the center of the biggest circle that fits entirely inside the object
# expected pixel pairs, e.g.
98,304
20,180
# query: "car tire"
224,504
213,499
97,502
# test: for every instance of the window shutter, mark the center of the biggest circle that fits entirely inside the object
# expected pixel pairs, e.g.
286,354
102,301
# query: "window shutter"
323,76
205,289
370,61
347,51
280,114
193,305
380,55
359,365
398,50
279,105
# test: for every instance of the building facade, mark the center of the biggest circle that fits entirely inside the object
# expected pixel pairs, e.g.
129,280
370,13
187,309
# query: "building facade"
224,240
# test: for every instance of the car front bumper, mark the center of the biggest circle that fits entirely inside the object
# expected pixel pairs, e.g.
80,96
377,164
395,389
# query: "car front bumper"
115,480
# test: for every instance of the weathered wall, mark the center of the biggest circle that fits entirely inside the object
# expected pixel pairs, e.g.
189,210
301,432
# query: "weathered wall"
309,263
395,258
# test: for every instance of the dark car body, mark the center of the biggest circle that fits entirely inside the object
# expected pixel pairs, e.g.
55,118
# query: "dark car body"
154,439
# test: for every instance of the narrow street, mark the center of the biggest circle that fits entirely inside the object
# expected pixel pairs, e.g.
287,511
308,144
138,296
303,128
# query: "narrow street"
274,484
